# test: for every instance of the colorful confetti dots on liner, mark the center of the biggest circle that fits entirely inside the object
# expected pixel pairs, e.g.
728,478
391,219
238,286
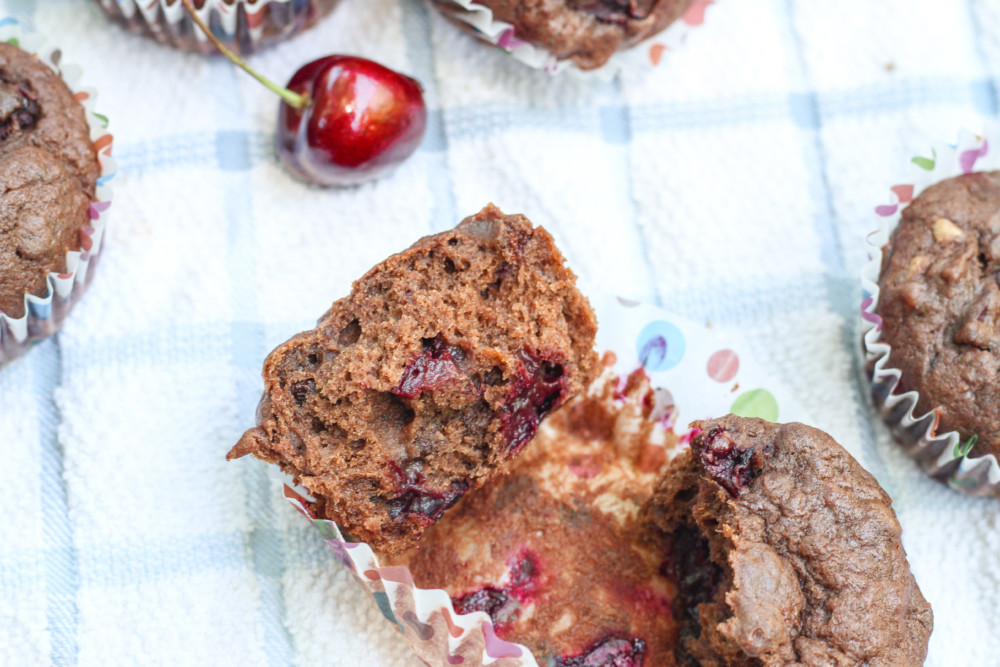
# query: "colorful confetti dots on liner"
660,346
723,365
756,403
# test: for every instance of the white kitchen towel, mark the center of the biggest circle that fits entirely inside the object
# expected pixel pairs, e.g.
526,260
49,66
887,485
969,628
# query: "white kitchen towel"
733,183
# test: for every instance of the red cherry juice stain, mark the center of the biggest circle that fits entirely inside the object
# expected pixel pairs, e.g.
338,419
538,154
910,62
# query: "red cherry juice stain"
584,467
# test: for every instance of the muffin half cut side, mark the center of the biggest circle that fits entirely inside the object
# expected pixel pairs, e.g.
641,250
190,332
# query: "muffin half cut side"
427,379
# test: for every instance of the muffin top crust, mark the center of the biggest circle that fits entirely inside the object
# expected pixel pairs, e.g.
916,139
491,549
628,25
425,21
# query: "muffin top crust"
939,299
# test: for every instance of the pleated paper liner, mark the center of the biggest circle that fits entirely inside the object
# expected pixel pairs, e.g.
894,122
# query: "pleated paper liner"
648,53
944,456
45,314
245,26
696,373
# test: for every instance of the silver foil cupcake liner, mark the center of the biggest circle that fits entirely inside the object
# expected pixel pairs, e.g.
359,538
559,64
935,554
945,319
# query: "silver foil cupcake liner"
697,373
244,26
944,456
481,23
45,314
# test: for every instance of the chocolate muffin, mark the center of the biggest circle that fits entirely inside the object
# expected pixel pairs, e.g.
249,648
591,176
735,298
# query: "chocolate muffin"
588,32
48,176
244,26
784,551
939,299
427,379
554,551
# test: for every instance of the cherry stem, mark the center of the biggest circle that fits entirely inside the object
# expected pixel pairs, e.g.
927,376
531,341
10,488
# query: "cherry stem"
293,99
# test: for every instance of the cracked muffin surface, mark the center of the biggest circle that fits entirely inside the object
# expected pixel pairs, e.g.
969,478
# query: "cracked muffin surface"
428,379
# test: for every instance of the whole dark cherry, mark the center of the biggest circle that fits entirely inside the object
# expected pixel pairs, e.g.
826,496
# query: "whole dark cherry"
360,120
343,120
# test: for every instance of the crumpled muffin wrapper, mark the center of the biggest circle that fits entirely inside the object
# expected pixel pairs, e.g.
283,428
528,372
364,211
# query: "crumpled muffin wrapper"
696,373
45,314
501,34
941,455
244,26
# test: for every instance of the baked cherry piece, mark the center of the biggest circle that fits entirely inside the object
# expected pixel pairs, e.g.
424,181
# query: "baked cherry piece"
502,608
608,652
503,603
733,468
538,388
360,121
427,505
19,109
343,120
433,369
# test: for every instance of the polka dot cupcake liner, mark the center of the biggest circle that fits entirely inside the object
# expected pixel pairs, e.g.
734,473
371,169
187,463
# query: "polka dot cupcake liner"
244,26
696,372
45,314
944,456
502,35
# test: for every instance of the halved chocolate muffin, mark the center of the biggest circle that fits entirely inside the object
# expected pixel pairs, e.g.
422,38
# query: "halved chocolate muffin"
428,378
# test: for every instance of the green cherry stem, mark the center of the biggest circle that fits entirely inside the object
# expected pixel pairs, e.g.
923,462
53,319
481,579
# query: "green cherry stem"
294,100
